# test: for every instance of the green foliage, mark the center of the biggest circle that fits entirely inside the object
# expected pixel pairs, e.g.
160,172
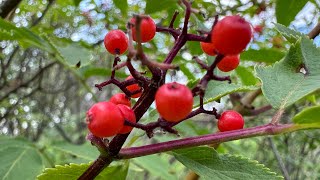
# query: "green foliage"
308,115
291,35
283,83
286,10
218,89
73,171
246,76
84,151
153,7
122,5
271,55
24,36
19,159
210,165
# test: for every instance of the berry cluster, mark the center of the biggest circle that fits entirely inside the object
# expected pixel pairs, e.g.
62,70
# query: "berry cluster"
229,37
174,101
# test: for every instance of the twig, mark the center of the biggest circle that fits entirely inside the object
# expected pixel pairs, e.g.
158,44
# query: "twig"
315,31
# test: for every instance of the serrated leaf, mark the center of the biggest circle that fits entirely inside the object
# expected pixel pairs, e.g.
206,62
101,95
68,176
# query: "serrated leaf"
24,36
152,7
246,76
291,35
74,171
85,151
210,165
283,83
19,159
286,10
218,89
308,115
122,5
262,55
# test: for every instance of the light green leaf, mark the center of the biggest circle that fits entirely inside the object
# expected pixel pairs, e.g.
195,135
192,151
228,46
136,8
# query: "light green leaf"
153,7
210,165
24,36
122,5
286,10
159,169
308,116
186,71
291,35
283,83
74,171
19,159
85,151
74,53
218,89
262,55
246,76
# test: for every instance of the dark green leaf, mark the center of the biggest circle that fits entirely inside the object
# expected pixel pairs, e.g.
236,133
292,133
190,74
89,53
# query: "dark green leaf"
283,83
308,116
89,71
262,55
286,10
85,151
210,165
76,2
153,6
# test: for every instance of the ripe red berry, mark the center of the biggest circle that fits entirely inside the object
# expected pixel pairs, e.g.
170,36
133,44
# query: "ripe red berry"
129,115
147,29
229,63
258,29
104,119
208,48
120,98
174,101
134,87
231,35
116,42
230,120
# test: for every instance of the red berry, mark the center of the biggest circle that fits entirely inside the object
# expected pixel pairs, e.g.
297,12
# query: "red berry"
230,120
174,101
134,87
129,115
208,48
104,119
231,35
258,29
120,98
229,63
147,29
116,42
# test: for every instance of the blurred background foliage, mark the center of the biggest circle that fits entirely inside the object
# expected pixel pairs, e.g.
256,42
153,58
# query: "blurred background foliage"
52,54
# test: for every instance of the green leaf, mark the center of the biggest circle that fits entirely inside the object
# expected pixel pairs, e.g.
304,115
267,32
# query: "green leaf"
74,53
210,165
186,71
19,159
308,116
153,7
24,36
76,2
74,171
246,76
218,89
286,10
291,35
159,169
85,151
194,47
262,55
122,5
283,83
